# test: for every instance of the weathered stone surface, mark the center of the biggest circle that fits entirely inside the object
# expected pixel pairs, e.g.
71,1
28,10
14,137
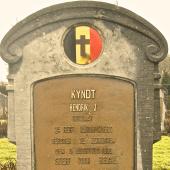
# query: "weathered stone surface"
132,49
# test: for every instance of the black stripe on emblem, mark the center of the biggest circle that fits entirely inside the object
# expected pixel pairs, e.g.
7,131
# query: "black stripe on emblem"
70,45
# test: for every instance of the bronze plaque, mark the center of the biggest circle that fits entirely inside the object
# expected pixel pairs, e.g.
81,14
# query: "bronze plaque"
84,123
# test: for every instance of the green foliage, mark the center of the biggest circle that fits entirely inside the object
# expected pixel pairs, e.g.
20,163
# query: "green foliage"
166,84
161,154
3,88
167,122
166,78
166,81
168,102
10,165
3,128
7,151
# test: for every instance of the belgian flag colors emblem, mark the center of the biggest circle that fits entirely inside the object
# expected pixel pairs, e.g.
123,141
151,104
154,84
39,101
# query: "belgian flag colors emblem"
83,44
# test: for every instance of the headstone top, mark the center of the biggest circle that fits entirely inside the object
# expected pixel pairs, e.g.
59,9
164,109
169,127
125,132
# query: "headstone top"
83,88
12,44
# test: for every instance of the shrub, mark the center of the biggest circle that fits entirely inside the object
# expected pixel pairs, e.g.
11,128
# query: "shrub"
3,128
7,153
3,88
161,154
10,165
167,122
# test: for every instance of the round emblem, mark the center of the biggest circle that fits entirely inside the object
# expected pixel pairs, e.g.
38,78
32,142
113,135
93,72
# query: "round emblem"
83,45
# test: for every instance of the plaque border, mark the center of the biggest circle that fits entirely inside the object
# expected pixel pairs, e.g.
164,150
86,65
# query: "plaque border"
102,76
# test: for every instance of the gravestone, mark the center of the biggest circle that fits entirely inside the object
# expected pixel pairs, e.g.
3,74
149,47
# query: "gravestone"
3,106
84,87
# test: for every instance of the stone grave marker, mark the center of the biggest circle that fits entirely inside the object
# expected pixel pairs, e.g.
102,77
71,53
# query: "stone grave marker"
83,88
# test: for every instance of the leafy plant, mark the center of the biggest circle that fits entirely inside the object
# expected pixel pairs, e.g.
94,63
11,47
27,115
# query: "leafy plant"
7,151
161,154
3,88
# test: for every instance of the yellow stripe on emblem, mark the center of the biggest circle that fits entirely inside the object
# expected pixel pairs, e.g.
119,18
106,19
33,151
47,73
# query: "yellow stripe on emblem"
82,45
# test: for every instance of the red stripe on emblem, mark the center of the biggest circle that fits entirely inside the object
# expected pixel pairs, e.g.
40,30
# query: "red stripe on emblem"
95,44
